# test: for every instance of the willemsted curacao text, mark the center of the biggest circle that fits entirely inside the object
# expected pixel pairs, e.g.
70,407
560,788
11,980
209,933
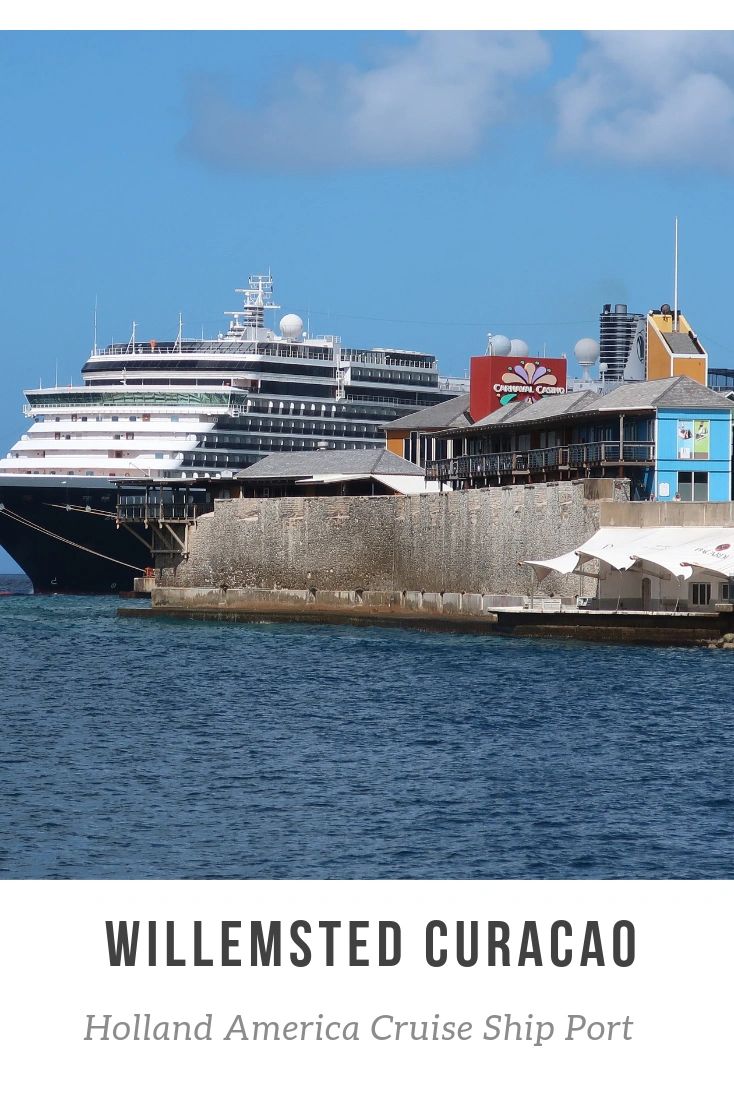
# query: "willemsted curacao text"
328,943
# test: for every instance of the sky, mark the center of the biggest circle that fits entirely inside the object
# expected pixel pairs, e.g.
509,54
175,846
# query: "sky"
413,190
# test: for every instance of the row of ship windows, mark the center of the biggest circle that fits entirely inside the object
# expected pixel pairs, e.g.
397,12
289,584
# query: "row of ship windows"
205,460
363,417
270,386
259,450
225,383
312,429
253,424
68,436
231,441
416,400
367,375
227,441
110,455
145,417
388,359
122,395
348,407
95,376
86,473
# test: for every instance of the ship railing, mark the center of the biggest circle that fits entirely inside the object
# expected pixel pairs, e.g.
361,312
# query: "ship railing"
376,399
218,347
379,359
127,396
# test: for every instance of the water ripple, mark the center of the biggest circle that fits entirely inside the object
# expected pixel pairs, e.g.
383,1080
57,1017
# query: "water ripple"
135,749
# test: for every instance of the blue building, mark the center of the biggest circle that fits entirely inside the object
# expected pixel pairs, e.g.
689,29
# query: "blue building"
671,437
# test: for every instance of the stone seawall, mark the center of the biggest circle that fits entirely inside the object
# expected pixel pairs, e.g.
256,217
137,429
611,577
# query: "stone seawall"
466,542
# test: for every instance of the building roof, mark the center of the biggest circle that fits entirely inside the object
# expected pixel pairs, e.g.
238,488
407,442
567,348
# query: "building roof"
681,344
452,413
679,392
554,405
365,461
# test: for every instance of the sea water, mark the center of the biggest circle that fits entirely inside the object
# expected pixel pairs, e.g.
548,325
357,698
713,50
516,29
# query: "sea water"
161,748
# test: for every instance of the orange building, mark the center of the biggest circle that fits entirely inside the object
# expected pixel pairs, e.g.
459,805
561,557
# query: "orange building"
414,437
674,349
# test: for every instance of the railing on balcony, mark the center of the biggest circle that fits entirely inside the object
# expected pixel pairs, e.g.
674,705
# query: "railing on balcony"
165,504
577,456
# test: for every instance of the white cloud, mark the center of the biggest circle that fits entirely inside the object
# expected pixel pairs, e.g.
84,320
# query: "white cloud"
651,98
433,99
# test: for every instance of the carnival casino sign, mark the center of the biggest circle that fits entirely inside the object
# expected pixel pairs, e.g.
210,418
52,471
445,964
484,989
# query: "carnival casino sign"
499,380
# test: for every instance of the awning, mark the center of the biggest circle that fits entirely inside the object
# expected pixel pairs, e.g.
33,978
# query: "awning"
565,563
674,551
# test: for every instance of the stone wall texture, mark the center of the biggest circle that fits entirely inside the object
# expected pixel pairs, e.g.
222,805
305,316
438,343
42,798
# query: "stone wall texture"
470,541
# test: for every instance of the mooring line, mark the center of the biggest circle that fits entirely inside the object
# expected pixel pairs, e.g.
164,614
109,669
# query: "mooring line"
5,511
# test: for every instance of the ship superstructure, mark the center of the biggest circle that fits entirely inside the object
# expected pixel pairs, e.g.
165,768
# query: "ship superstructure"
180,410
197,407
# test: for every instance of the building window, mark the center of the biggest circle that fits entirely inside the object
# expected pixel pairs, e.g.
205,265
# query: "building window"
727,590
693,486
700,593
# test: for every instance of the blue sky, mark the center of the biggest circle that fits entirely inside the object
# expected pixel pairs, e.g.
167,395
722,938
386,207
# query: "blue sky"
414,190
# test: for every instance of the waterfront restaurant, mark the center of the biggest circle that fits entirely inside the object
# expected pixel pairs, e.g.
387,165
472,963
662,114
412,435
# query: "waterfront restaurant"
683,567
672,438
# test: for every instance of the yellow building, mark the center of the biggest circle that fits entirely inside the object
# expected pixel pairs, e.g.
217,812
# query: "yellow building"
674,349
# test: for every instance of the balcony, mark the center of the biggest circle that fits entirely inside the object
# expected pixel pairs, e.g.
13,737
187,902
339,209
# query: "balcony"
577,456
164,504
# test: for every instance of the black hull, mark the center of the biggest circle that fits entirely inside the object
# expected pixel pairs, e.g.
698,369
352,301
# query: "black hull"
55,566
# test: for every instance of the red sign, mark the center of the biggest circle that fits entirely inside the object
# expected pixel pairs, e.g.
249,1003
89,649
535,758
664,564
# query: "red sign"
498,380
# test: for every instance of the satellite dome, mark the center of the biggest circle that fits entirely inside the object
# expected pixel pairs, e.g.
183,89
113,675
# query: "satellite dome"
499,345
586,351
291,327
519,348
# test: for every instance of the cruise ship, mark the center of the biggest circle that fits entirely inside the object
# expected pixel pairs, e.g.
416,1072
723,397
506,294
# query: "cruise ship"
180,411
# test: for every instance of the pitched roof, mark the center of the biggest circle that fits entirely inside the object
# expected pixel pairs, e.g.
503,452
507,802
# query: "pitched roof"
679,392
445,414
554,405
682,344
306,464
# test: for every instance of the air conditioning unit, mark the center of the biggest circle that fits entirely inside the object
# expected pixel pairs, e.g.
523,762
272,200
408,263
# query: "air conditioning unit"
583,601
